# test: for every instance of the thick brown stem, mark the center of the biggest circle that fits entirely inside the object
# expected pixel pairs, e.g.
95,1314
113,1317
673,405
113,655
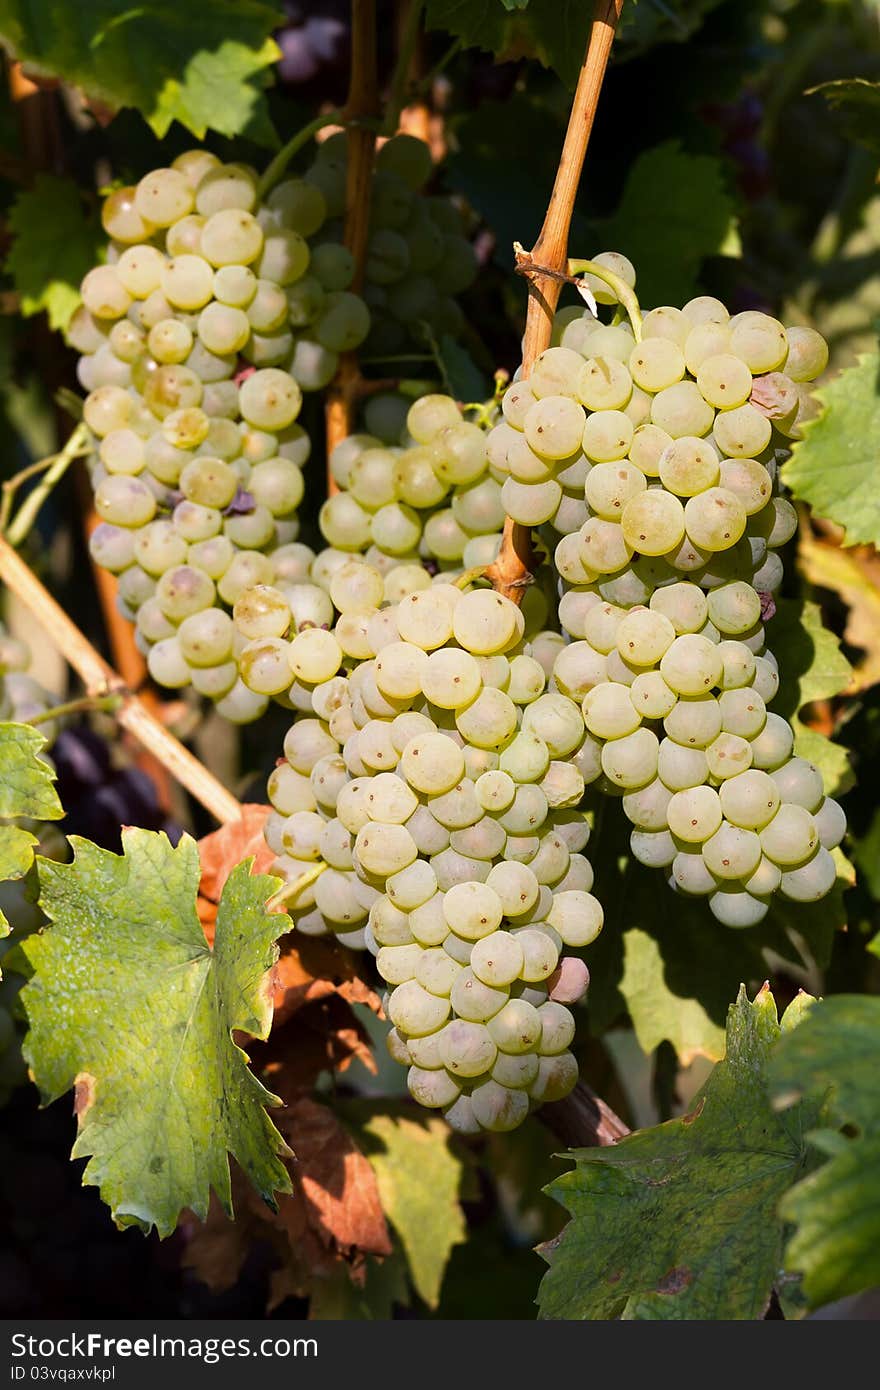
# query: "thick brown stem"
551,248
511,573
583,1120
100,679
362,104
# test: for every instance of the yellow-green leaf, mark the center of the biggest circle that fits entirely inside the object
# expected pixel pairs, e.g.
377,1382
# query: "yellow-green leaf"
129,1003
658,1015
202,65
811,667
855,576
419,1177
56,240
835,466
27,790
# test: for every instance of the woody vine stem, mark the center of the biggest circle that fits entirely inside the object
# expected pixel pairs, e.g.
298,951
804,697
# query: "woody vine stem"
546,265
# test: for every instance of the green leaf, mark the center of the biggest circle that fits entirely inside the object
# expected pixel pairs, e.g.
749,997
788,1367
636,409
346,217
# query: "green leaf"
559,32
513,208
16,858
556,32
665,959
26,790
26,781
816,923
57,240
462,376
811,667
202,65
857,103
553,31
128,1002
834,467
340,1299
698,220
836,1210
680,1221
648,23
657,1013
478,23
418,1175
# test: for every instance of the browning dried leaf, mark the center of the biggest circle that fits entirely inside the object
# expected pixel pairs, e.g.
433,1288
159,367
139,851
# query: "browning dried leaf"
219,853
313,968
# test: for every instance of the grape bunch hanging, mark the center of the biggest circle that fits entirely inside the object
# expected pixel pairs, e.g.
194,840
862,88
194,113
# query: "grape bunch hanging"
215,310
670,429
429,807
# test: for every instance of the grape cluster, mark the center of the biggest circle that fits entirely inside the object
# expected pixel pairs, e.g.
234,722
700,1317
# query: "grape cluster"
426,810
21,696
214,312
194,370
671,443
436,499
418,258
403,517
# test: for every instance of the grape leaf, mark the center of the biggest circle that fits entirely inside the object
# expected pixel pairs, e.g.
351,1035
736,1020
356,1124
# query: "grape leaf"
26,780
857,103
130,1004
698,221
648,23
556,32
855,576
834,466
836,1209
514,209
26,790
680,1221
657,1013
462,377
811,667
56,242
671,965
202,65
419,1176
485,24
339,1299
553,31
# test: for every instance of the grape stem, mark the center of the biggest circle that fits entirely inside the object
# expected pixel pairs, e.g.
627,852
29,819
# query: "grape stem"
359,114
277,168
625,293
401,76
469,576
511,573
54,467
295,887
84,704
101,680
583,1120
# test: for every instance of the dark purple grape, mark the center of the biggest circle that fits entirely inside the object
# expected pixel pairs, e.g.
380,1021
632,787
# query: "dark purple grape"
297,63
82,760
327,38
98,798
